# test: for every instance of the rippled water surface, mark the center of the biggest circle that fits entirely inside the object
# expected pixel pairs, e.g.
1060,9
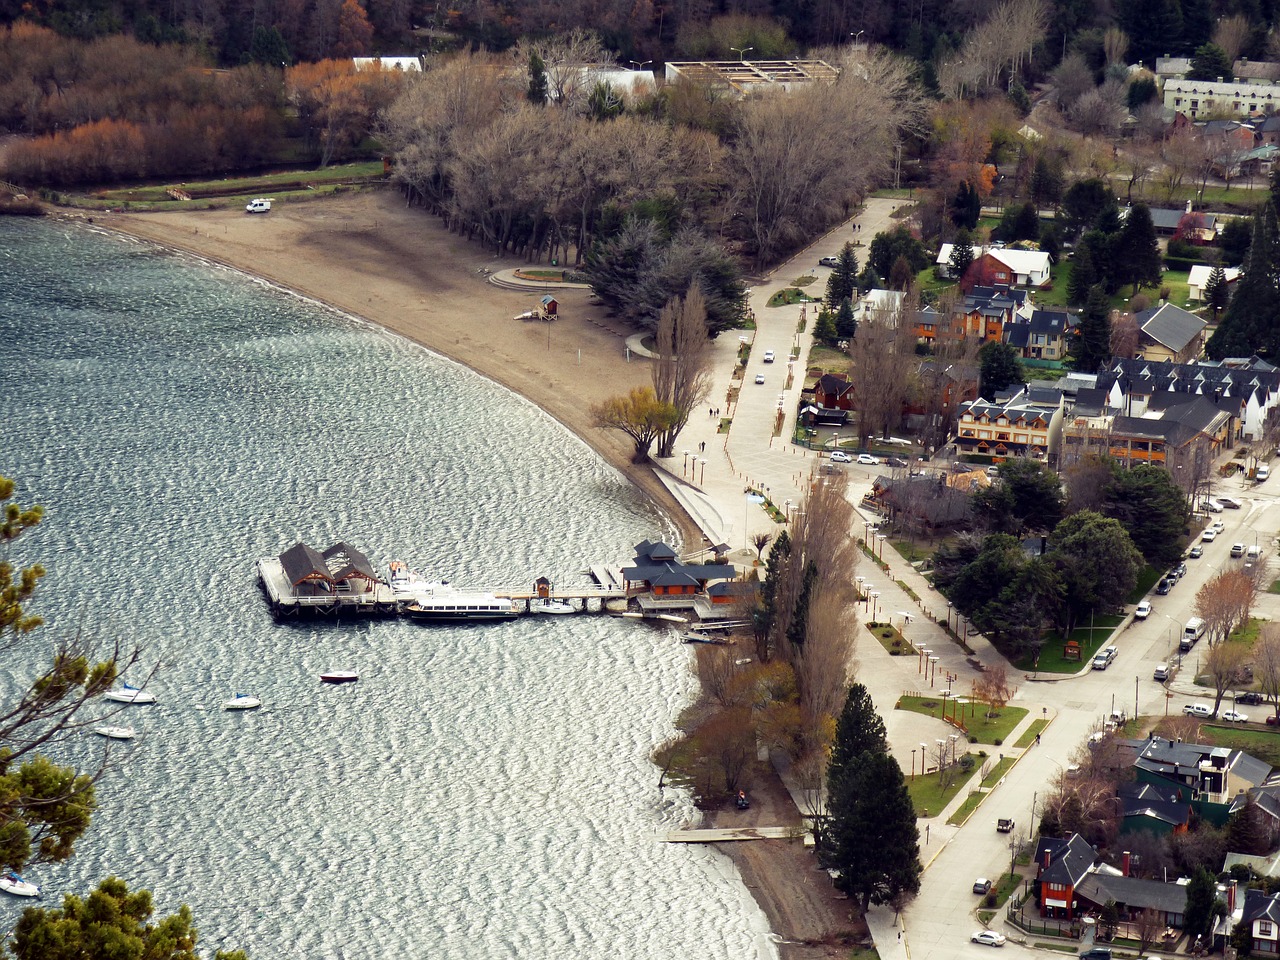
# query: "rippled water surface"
483,791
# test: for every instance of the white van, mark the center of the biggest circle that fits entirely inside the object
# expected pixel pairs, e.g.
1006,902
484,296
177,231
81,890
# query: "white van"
1252,553
1262,473
1192,632
260,205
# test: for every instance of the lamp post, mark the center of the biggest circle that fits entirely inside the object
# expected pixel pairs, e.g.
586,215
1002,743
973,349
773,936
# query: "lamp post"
703,477
880,538
742,54
641,64
1180,632
933,670
856,36
942,755
859,582
949,606
923,755
913,763
866,532
875,604
685,469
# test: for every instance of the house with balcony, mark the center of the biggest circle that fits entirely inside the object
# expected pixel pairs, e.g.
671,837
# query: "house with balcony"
1027,423
1215,780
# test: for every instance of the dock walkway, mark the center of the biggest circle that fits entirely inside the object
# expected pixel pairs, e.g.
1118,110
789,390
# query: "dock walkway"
724,835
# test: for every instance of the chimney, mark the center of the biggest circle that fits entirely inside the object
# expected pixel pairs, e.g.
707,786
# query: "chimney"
1124,864
1231,898
1046,860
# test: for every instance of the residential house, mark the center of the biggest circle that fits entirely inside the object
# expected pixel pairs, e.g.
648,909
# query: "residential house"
1215,779
1198,227
1256,71
1261,912
1167,332
1170,430
1132,896
878,305
1247,388
932,505
833,392
1043,335
1002,265
1061,864
1200,98
1172,68
944,385
1198,279
985,312
1269,131
1150,808
1027,423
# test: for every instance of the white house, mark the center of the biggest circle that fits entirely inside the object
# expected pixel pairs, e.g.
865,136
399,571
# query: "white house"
1028,268
1199,276
1198,98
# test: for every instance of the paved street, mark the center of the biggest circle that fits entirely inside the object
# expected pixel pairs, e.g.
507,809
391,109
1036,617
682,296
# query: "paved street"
711,479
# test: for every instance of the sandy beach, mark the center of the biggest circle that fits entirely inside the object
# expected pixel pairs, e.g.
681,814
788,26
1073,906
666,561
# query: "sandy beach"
370,255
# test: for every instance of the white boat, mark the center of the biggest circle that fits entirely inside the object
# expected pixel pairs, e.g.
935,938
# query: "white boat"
14,884
112,732
439,600
128,694
556,607
242,701
339,676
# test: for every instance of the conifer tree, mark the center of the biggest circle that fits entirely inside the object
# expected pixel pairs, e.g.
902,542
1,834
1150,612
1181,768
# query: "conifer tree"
843,283
1252,320
1136,252
825,329
846,321
1090,345
869,835
537,92
961,255
868,279
1083,276
1216,291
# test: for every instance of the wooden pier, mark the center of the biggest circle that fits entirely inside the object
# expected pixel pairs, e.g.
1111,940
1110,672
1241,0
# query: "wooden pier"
723,835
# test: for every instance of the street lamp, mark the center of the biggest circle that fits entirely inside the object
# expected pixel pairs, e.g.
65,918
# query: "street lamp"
1180,632
933,670
913,763
641,65
703,477
875,604
866,532
686,463
880,538
742,54
949,605
923,662
859,581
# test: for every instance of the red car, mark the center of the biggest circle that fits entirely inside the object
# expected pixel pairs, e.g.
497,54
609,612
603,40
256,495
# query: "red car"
1271,720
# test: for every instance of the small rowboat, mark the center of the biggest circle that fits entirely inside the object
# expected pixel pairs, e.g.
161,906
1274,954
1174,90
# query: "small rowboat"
112,732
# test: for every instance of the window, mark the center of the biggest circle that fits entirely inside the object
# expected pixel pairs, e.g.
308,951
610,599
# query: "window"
1265,928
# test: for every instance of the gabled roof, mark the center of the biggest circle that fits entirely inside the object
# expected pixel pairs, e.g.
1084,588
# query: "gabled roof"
1050,322
657,565
829,383
1200,273
1170,326
1134,893
1070,860
1259,906
302,563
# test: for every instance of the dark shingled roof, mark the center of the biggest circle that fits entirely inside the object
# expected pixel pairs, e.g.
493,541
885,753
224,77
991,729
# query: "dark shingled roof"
1069,859
656,564
302,563
1259,906
1134,893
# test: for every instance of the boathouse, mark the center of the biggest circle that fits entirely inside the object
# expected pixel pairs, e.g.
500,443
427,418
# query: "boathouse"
339,578
656,574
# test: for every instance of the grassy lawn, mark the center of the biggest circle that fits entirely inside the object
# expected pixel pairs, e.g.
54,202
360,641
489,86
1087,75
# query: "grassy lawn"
1146,580
1090,639
805,280
1263,744
981,729
1244,636
1029,737
927,795
910,552
891,639
788,296
221,192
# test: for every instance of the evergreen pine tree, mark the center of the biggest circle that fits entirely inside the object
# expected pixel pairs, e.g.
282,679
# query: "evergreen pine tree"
1137,253
859,729
1216,291
961,256
1252,320
868,279
842,284
846,321
1026,225
1083,276
1090,345
825,329
966,206
537,92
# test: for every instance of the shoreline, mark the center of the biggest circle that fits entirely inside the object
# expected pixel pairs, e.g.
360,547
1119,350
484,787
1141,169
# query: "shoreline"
314,249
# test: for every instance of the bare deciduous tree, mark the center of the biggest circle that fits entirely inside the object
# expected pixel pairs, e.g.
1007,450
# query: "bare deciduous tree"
1231,34
884,364
1223,664
567,58
1266,665
682,371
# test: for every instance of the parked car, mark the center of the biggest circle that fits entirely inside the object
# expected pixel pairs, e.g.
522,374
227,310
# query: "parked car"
1196,552
1218,526
258,205
895,461
768,356
1201,710
1164,586
829,262
868,459
982,886
1262,473
1209,535
1162,673
839,456
1250,697
1213,506
1179,571
1096,953
759,378
1234,716
988,938
1143,610
1004,825
1100,662
1237,550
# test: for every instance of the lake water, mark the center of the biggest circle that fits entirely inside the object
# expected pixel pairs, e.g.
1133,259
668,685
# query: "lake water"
482,791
